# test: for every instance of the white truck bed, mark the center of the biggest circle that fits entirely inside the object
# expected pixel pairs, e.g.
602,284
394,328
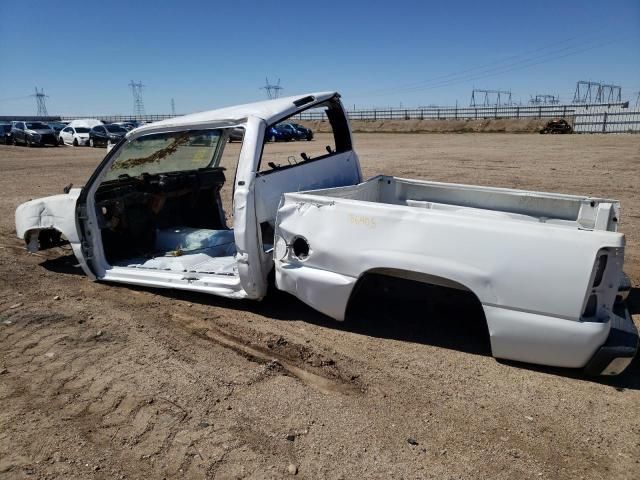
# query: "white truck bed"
545,267
558,209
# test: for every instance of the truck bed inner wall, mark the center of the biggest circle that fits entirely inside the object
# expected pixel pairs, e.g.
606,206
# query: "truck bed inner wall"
550,208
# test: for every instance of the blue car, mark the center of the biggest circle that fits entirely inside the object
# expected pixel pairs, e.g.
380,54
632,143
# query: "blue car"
279,133
300,132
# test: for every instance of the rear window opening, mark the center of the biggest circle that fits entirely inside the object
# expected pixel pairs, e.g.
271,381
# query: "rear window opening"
311,135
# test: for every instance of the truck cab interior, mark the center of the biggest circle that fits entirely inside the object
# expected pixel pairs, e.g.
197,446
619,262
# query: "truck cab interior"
159,205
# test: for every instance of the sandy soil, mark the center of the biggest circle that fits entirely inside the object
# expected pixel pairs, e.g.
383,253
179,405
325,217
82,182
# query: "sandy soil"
104,381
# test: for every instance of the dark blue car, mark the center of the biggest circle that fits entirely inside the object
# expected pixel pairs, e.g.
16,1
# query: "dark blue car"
279,133
301,132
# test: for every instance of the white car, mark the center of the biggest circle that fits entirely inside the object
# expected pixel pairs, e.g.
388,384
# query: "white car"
75,136
546,268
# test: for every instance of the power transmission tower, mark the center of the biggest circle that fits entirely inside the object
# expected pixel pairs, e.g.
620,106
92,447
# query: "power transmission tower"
173,107
609,94
138,104
597,92
490,98
638,101
40,102
273,90
544,99
585,91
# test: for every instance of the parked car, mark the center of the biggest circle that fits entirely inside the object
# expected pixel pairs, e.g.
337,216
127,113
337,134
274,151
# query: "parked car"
289,130
130,125
557,126
32,133
302,132
57,127
5,133
278,133
75,136
103,135
545,268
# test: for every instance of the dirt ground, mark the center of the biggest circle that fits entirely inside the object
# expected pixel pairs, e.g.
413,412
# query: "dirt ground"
105,381
487,125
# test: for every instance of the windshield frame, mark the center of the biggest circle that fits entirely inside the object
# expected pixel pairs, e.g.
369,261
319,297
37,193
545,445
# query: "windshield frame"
193,134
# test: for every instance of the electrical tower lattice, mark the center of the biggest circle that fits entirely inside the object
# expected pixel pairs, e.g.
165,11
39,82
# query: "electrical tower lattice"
138,104
596,92
40,102
490,98
273,90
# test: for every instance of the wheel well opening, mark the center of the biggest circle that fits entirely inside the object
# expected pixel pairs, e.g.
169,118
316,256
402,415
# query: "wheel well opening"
421,309
46,238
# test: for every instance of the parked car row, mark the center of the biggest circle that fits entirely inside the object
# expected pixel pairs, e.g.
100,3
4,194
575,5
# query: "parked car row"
95,133
77,133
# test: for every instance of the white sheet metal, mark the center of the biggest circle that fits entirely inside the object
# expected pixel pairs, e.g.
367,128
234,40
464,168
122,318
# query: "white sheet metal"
530,271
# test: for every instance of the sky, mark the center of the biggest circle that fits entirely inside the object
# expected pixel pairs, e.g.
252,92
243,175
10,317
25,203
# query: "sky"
207,54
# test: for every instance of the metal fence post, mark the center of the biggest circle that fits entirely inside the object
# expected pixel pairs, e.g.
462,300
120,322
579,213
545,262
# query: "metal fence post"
604,123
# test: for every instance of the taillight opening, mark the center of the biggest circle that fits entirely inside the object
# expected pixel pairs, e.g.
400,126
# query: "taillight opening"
600,268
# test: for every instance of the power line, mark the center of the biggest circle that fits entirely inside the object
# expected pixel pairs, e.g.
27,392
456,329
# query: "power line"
553,45
512,66
9,99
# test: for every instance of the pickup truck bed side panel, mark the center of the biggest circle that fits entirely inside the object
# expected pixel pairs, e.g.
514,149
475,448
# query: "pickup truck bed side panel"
529,276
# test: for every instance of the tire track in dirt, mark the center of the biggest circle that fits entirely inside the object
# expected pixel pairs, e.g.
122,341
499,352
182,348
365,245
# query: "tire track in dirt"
319,382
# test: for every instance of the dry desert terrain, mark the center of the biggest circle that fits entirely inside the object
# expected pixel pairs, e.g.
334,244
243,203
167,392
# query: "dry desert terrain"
105,381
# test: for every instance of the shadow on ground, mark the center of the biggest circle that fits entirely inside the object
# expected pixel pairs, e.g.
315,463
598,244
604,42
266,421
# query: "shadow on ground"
633,301
399,310
66,264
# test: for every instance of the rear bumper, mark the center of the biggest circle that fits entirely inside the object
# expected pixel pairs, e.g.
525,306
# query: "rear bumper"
618,351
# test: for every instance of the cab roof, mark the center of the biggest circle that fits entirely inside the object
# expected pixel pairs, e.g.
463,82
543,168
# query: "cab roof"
270,111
